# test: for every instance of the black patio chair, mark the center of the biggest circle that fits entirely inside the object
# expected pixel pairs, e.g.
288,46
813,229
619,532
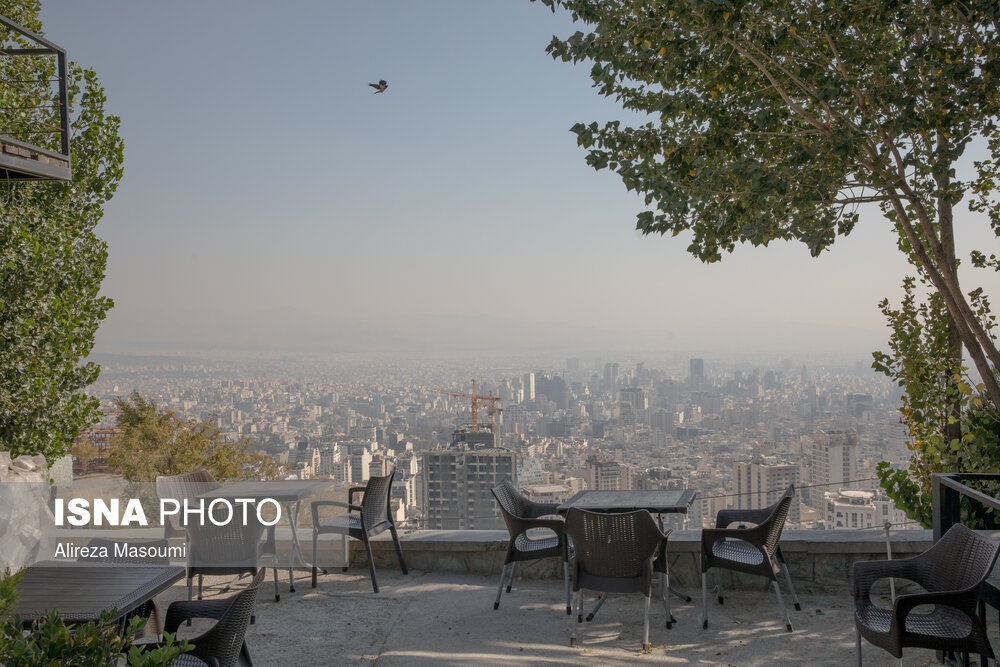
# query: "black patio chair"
521,515
615,553
231,548
951,572
180,488
374,516
753,550
119,556
224,645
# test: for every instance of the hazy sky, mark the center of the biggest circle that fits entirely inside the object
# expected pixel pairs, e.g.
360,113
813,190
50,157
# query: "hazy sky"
271,199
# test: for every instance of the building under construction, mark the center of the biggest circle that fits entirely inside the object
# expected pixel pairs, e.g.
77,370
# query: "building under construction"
458,479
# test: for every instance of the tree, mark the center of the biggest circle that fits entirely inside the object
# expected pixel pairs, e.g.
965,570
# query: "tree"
51,261
950,424
779,120
158,442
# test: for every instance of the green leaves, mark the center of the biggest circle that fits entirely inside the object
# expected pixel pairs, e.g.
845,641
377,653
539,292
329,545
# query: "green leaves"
154,442
51,268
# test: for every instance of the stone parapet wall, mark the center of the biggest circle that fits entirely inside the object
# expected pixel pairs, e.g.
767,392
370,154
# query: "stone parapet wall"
815,557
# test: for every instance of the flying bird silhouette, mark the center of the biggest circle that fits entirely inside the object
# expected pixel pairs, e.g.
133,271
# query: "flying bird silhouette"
380,86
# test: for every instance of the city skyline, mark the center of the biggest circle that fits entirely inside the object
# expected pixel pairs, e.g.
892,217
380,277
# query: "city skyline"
270,200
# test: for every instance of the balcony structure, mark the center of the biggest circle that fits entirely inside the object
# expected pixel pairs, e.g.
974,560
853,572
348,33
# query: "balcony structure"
442,612
34,107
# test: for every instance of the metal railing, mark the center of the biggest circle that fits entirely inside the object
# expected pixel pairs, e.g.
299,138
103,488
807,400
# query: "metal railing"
21,158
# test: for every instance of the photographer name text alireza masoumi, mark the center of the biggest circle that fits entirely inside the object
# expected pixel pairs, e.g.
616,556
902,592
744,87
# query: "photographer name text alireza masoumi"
218,512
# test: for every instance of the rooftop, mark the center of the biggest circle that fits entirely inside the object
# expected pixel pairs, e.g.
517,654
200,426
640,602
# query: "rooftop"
442,612
448,619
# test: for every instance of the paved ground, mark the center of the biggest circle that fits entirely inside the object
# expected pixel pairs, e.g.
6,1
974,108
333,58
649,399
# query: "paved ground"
448,619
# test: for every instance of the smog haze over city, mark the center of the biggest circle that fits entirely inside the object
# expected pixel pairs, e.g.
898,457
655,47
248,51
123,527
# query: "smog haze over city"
322,269
273,204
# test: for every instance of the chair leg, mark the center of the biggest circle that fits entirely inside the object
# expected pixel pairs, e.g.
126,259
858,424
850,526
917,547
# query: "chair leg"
399,549
665,597
190,593
791,587
315,559
572,625
718,576
513,573
503,575
857,643
569,610
597,607
704,600
781,602
371,563
646,648
200,582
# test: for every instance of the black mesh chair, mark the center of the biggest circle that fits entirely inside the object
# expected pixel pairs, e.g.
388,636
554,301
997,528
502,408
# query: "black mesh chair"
231,548
522,515
753,550
951,572
224,645
117,554
374,516
180,488
615,553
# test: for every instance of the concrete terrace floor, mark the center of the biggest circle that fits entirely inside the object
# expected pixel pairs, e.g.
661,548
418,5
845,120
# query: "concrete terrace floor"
448,619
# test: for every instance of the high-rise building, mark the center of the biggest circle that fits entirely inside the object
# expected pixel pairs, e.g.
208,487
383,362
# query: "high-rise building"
697,376
834,461
529,386
760,483
458,481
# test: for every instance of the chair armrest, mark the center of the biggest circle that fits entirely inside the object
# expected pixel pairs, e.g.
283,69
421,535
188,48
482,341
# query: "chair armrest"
184,610
558,526
755,536
316,504
728,516
867,572
543,509
959,600
354,489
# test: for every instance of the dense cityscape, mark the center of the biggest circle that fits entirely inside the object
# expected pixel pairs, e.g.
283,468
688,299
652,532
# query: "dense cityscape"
735,432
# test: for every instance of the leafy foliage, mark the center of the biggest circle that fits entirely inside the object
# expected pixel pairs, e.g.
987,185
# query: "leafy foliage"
939,397
51,261
51,642
155,442
764,121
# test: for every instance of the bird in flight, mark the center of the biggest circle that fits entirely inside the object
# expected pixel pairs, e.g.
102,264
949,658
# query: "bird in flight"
380,86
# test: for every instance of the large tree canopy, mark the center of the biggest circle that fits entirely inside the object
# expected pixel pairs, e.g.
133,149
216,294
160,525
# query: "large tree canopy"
779,119
51,261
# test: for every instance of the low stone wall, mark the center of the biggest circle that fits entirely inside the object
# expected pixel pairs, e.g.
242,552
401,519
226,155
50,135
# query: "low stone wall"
815,557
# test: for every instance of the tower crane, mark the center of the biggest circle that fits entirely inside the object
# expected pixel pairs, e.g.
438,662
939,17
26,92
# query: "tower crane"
489,402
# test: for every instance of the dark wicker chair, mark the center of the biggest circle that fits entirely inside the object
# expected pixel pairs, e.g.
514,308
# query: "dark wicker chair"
148,610
224,644
615,553
522,515
951,572
232,548
374,516
183,487
750,550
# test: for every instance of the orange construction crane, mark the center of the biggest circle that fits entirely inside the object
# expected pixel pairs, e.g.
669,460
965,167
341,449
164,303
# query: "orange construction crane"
489,400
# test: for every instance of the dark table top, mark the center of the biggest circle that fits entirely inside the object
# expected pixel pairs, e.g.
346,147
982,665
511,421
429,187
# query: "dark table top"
657,502
82,592
280,490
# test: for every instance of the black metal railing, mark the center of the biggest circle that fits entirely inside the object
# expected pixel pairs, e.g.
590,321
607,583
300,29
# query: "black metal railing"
29,150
